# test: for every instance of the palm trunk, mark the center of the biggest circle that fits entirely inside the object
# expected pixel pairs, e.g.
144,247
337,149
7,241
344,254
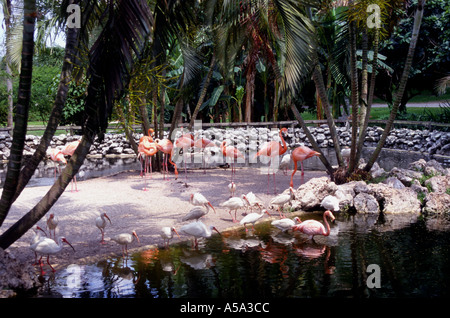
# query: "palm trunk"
320,87
61,96
22,107
44,205
402,85
9,79
203,93
362,132
311,139
177,110
354,87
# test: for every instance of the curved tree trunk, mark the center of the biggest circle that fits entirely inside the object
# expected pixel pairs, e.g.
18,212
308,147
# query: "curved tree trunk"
23,102
402,85
27,172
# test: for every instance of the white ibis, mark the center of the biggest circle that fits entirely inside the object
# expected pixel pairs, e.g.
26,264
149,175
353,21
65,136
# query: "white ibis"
252,218
235,203
232,188
313,227
197,230
286,224
47,246
282,199
36,238
195,214
199,199
52,223
124,239
167,234
100,222
253,200
330,203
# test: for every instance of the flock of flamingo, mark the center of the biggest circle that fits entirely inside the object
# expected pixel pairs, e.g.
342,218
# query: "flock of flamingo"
148,147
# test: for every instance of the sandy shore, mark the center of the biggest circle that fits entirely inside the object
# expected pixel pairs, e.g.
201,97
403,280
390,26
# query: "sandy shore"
130,208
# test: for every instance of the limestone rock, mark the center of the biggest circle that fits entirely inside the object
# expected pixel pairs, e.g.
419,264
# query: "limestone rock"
437,203
366,203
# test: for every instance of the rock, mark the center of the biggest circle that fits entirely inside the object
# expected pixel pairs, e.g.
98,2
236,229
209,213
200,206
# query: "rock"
395,200
309,195
345,195
438,184
437,203
15,276
366,203
377,171
394,182
406,176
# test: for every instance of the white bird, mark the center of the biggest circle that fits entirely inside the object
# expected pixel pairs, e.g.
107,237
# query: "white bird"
100,222
232,188
47,246
286,224
345,153
282,199
195,214
198,229
285,163
52,223
167,234
124,239
252,218
235,203
199,199
36,238
253,200
330,203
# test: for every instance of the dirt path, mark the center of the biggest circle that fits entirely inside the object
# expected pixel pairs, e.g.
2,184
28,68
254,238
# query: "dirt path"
130,208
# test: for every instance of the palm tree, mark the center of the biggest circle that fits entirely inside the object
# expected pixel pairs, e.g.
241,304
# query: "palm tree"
111,57
22,106
402,85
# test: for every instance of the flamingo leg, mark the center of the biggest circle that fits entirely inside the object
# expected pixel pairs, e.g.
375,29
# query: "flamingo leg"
292,175
41,264
145,174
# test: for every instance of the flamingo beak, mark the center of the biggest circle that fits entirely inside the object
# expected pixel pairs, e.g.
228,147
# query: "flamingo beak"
173,229
67,242
137,238
268,213
107,218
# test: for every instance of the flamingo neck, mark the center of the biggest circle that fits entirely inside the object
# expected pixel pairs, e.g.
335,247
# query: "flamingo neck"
284,148
327,225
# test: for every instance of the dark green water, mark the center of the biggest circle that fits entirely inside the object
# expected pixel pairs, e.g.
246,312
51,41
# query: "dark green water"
414,259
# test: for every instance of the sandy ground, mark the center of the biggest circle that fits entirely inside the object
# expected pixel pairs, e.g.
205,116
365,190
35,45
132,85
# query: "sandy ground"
130,208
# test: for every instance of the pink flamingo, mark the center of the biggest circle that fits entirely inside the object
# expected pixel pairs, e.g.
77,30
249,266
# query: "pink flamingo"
69,150
203,143
185,141
233,153
56,155
166,147
144,141
147,150
300,154
313,227
273,149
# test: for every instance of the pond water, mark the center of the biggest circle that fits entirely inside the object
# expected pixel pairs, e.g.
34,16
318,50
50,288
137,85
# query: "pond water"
413,258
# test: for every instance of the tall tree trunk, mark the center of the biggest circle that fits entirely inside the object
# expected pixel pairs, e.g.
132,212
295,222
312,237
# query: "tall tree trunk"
320,87
203,92
354,89
364,80
250,92
23,102
365,119
177,110
43,206
9,79
311,139
402,85
70,59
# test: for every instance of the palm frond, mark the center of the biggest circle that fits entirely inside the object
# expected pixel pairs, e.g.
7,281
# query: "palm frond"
443,84
111,58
